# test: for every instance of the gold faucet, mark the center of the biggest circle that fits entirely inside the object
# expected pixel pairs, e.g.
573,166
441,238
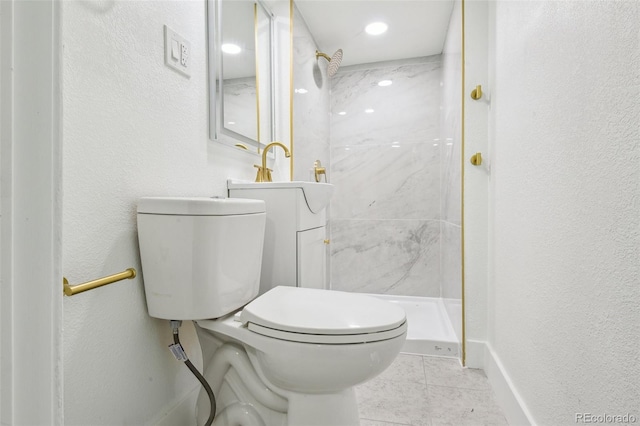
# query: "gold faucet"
264,174
319,170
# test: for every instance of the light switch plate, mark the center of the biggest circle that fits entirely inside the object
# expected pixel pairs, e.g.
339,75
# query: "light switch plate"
177,52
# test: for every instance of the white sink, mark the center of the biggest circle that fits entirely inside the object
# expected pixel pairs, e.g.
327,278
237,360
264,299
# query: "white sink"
316,194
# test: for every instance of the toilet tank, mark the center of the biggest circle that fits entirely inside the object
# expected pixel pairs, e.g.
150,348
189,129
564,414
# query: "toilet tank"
201,257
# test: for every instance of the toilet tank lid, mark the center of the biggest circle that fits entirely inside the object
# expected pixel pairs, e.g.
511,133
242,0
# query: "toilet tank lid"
199,206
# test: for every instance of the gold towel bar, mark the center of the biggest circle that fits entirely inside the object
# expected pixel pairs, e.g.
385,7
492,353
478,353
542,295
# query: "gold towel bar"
90,285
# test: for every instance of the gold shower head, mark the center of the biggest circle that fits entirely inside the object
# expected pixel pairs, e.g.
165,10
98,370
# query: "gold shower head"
334,61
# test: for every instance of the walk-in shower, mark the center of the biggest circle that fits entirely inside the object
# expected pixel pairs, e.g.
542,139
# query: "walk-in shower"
395,212
387,125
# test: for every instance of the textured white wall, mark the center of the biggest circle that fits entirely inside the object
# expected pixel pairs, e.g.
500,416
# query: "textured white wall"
565,245
132,127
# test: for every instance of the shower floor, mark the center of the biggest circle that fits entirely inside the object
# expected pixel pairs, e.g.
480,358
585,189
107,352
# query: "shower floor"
430,332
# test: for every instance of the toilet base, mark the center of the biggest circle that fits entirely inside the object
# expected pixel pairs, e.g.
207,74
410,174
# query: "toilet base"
339,409
244,396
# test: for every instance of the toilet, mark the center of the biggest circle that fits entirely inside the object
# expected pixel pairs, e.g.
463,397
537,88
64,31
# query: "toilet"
288,356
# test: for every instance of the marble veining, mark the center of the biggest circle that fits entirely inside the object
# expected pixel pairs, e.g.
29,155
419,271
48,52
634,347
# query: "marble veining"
398,257
407,111
385,164
386,181
421,390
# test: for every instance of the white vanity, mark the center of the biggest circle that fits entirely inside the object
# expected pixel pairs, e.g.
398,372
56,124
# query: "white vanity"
295,244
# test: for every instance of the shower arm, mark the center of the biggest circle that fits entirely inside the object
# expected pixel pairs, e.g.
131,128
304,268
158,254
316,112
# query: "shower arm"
324,55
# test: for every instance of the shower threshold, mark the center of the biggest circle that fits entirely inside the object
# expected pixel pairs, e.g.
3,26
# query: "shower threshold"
430,331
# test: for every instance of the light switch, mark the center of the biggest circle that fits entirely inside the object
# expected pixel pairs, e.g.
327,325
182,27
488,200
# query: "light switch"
176,52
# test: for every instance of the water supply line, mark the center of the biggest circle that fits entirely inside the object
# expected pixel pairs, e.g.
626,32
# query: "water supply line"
180,355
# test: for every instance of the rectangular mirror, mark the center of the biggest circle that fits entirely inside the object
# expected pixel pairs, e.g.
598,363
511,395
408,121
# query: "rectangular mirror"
241,74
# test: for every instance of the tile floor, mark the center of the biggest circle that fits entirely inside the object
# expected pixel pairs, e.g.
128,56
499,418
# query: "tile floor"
428,391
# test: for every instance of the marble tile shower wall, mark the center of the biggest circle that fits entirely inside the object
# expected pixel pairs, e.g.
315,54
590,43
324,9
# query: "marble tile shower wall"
385,164
311,100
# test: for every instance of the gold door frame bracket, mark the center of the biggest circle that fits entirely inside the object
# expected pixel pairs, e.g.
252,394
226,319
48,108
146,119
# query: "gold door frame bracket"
476,93
476,159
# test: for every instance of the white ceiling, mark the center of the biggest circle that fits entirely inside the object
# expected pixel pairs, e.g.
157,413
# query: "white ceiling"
416,27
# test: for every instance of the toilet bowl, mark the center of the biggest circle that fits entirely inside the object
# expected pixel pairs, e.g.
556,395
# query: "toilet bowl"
290,356
312,346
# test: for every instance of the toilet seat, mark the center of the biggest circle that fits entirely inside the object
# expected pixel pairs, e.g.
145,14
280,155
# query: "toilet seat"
326,339
322,316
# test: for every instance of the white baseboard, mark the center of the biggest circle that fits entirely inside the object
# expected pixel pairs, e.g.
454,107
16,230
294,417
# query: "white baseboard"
474,354
480,354
183,413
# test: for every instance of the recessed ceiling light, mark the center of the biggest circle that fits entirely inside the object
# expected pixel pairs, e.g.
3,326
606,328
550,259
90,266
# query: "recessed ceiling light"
342,113
368,110
233,49
376,28
384,83
301,91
